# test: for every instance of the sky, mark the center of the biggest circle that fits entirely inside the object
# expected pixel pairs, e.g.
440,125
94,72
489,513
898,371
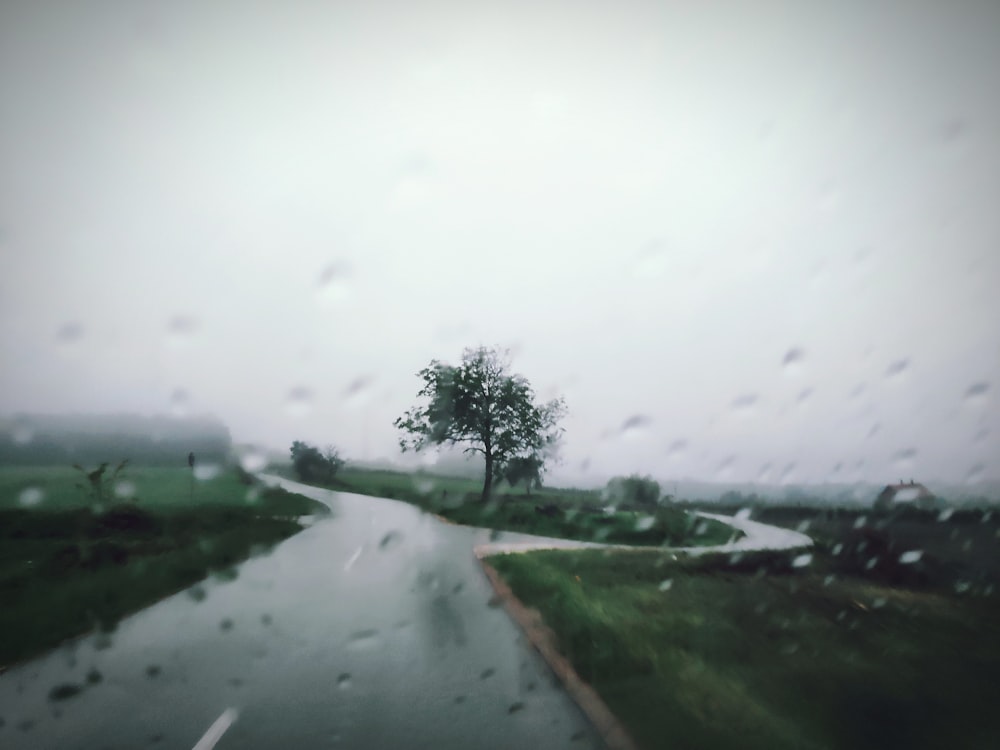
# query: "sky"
745,241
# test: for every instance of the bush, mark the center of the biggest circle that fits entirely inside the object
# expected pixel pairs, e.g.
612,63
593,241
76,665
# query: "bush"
634,490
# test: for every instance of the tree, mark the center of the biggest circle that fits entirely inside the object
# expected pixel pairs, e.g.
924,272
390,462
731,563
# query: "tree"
634,490
527,469
313,465
482,405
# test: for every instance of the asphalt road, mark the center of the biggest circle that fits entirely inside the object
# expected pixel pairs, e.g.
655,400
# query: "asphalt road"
368,630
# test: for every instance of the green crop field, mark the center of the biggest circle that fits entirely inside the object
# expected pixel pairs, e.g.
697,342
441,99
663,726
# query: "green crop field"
750,651
70,565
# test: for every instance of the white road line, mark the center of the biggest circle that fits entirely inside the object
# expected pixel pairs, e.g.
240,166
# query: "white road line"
215,732
354,559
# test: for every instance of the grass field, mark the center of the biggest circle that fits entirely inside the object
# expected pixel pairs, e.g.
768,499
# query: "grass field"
753,652
569,513
67,567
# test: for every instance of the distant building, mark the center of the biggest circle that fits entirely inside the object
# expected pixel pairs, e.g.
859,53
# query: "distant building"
905,493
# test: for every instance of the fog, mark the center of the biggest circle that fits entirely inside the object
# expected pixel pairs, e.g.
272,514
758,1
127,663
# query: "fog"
745,241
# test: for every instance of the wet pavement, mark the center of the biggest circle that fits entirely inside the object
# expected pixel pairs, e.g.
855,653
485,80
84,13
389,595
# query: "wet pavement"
370,629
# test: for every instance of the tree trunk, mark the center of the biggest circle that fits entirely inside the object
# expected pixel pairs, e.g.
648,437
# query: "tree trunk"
488,482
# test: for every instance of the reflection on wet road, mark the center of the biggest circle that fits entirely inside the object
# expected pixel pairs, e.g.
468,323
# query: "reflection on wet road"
370,629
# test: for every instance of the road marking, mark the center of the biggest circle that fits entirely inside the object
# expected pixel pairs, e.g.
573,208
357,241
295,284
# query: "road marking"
354,559
215,732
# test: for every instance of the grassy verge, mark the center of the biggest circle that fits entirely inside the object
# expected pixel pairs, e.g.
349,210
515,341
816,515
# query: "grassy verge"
561,513
753,652
66,570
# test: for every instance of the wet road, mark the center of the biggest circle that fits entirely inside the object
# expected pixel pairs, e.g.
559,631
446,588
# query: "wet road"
371,630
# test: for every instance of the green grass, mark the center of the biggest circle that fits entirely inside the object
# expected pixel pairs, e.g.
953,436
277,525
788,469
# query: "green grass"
702,653
66,570
575,514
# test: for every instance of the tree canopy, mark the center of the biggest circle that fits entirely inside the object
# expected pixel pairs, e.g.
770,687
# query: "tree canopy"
481,405
313,465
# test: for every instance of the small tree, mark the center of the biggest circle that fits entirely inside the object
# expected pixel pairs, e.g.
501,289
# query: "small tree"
527,469
480,404
313,465
100,485
634,490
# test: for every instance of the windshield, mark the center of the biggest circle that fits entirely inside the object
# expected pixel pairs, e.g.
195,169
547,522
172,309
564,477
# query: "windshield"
745,253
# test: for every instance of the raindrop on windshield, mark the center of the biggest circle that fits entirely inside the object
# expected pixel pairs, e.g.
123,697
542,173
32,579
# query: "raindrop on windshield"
253,460
205,472
363,639
802,561
904,459
344,680
976,393
125,489
29,497
651,261
635,426
677,449
22,432
792,363
908,558
299,401
358,391
897,368
183,326
744,405
69,334
975,474
180,402
665,584
334,283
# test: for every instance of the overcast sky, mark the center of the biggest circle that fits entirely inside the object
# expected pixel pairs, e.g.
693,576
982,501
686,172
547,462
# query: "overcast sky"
744,240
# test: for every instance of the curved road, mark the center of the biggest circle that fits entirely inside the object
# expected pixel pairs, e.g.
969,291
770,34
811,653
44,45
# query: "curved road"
371,629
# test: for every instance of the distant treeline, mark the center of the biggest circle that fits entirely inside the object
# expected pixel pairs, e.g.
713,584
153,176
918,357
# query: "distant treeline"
37,440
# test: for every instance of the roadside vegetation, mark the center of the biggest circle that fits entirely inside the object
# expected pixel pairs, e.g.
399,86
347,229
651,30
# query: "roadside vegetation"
777,650
605,516
80,549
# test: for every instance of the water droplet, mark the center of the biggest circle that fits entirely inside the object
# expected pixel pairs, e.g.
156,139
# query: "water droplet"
787,473
206,472
422,484
945,514
764,475
981,435
904,459
976,393
837,549
744,404
701,528
908,558
226,624
253,496
743,514
65,691
21,431
644,523
153,670
872,562
334,283
125,489
878,602
298,401
792,363
69,334
29,497
873,430
515,707
665,584
94,677
804,395
860,521
363,639
197,593
677,448
359,391
635,426
858,390
725,468
828,580
183,326
802,561
344,680
962,586
180,401
391,540
803,526
897,368
975,474
487,673
253,460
